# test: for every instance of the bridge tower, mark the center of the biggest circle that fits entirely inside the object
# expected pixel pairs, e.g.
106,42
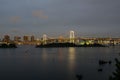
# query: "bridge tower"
44,39
72,37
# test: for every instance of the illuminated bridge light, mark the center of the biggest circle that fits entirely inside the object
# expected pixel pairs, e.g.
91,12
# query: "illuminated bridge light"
44,39
72,36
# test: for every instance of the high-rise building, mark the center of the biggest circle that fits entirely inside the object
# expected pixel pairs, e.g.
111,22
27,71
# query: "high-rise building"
26,38
17,38
6,38
32,38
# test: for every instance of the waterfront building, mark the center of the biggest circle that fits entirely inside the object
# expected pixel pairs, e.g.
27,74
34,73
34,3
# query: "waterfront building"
32,38
26,38
17,38
6,39
61,39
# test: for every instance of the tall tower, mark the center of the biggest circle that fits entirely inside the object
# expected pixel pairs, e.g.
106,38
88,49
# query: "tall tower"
72,36
44,39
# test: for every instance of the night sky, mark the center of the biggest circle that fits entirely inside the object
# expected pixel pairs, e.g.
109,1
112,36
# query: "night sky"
89,18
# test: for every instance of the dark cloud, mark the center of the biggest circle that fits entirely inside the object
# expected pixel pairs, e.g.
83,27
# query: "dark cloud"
39,14
93,16
15,19
15,31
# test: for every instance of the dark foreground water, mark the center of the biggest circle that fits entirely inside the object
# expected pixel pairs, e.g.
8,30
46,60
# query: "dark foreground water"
29,63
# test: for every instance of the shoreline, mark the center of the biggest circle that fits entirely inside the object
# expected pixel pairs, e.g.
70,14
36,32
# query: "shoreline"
55,45
8,45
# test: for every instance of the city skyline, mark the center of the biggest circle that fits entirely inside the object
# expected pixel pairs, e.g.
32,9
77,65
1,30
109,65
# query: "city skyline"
46,37
89,18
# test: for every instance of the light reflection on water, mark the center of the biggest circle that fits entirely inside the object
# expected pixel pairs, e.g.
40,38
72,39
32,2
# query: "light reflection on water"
29,63
71,58
44,55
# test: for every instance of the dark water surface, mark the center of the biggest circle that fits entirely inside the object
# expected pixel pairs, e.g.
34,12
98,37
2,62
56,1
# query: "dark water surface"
29,63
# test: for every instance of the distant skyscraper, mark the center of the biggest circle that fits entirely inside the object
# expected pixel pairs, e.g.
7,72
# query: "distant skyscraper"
26,38
32,38
17,38
6,38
